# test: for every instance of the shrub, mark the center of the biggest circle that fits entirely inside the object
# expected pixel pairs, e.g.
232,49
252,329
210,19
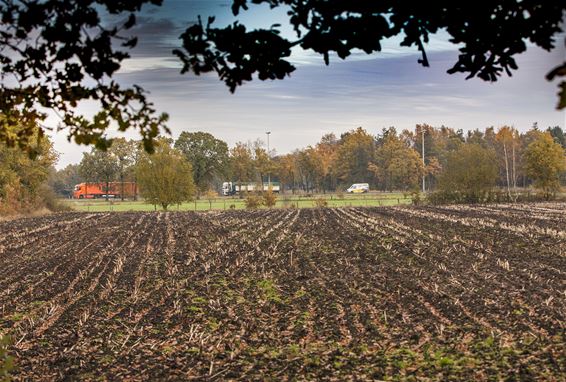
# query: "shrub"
253,201
416,197
269,198
52,202
468,177
16,200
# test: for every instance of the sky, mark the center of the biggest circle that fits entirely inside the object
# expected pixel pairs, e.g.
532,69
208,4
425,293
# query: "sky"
372,91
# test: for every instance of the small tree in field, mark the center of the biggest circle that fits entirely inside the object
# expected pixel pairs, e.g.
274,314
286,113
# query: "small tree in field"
165,177
469,175
253,201
269,198
210,196
545,161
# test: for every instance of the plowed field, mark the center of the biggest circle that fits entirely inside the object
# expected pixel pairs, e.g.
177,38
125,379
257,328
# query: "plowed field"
428,293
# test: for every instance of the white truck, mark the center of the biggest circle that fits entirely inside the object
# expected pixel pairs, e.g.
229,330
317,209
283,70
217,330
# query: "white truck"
357,188
233,188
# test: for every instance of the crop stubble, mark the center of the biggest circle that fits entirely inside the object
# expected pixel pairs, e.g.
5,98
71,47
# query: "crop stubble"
445,293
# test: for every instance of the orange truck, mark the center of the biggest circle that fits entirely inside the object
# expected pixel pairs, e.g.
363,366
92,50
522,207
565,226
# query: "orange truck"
101,190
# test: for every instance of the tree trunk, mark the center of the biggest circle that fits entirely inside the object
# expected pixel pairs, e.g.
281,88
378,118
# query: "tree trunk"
507,170
514,172
122,186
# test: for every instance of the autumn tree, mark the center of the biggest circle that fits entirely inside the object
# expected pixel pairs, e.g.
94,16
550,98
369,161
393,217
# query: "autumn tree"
355,152
438,143
476,137
261,162
327,149
558,135
545,160
396,166
310,168
165,177
211,196
23,179
208,157
525,139
242,163
125,152
433,168
99,166
63,181
470,173
286,170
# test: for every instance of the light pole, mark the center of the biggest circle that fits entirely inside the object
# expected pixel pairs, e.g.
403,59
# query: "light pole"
422,132
268,133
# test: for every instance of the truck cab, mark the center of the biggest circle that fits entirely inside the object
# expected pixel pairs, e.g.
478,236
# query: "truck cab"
228,189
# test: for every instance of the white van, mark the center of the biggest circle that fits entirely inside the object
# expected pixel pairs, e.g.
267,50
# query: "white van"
358,188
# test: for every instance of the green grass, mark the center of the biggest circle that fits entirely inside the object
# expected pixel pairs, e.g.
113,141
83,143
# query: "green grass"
224,203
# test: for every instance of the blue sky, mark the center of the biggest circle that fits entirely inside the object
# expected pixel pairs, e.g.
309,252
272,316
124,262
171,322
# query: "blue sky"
377,91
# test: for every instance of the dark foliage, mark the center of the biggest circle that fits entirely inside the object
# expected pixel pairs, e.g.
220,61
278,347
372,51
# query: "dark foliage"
61,53
490,35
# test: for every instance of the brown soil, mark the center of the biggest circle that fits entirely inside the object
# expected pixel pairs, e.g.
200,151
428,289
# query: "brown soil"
402,293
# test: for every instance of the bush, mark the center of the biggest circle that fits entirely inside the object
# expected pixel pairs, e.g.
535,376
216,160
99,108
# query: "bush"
416,197
458,197
320,202
442,197
16,200
269,199
52,202
468,177
253,201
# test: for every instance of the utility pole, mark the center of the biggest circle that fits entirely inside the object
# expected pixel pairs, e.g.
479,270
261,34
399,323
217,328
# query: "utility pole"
422,134
269,157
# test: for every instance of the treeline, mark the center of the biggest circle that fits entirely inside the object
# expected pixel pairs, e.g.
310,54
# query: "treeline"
453,160
458,166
